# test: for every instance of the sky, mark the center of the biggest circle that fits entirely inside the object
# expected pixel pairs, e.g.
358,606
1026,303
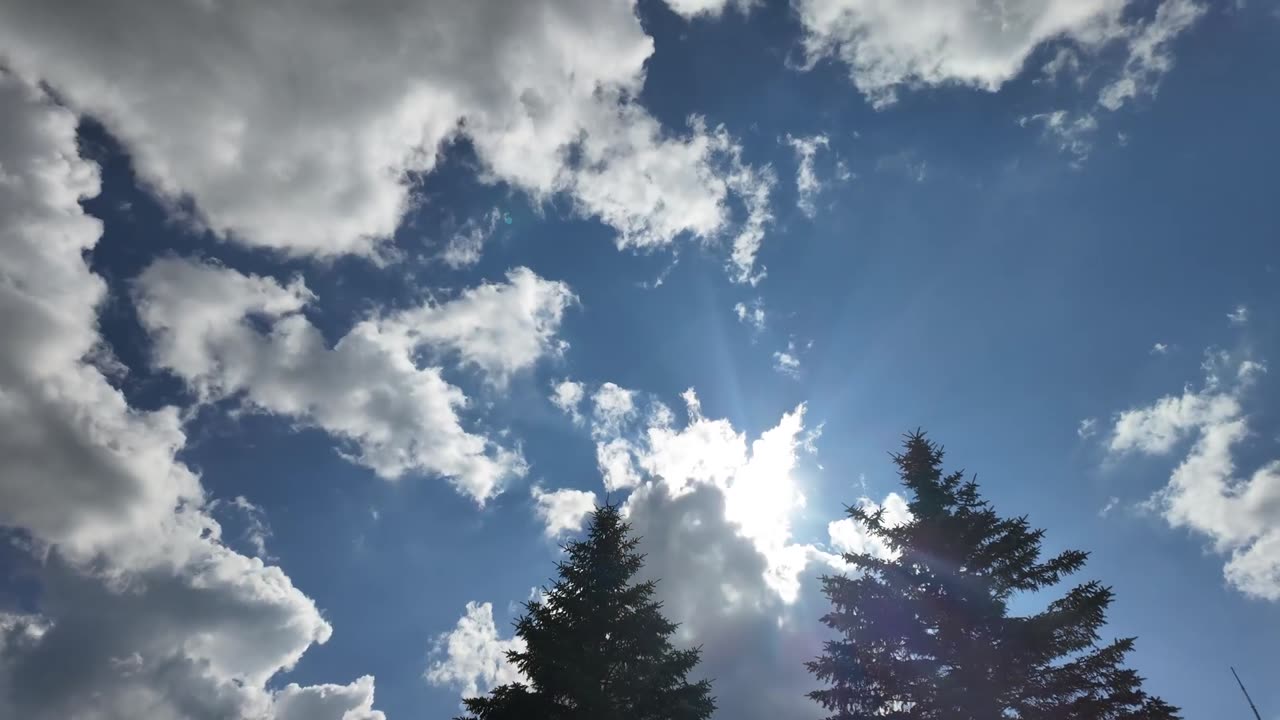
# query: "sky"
326,323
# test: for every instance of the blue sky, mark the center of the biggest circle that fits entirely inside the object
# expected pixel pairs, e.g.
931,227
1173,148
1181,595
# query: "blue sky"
293,417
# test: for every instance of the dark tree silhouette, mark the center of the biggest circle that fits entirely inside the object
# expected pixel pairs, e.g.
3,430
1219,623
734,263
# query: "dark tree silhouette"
927,634
598,647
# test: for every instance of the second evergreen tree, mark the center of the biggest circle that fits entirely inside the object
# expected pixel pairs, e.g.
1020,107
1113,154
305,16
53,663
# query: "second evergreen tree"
926,634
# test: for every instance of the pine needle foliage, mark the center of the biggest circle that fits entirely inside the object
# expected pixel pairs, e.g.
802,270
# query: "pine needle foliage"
597,646
926,634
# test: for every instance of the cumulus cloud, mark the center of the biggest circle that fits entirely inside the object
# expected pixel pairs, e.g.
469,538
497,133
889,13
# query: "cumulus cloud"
563,510
82,469
498,328
713,512
807,184
891,46
715,582
198,638
850,536
756,479
229,335
142,611
568,395
206,98
472,657
612,406
613,409
617,464
1239,515
1155,429
1160,349
341,702
887,46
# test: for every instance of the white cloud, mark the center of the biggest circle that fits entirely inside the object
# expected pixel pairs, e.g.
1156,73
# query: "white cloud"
714,517
81,468
143,611
499,328
713,8
850,536
617,464
760,492
568,395
752,314
888,45
563,510
717,584
467,244
1159,349
787,363
1239,515
1239,316
340,702
807,184
199,638
1149,54
1087,428
474,657
612,407
1157,428
754,186
1148,59
206,99
715,514
366,390
613,410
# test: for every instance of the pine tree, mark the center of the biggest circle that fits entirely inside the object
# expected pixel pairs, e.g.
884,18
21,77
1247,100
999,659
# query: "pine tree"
926,634
597,647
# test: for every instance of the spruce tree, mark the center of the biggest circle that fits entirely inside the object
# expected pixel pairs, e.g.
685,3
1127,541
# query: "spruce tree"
597,647
926,634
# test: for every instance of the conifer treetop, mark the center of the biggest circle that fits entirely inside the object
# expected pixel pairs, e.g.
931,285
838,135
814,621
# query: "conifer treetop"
926,631
597,646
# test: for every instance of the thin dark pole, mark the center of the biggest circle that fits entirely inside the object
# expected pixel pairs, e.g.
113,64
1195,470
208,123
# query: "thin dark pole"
1252,707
